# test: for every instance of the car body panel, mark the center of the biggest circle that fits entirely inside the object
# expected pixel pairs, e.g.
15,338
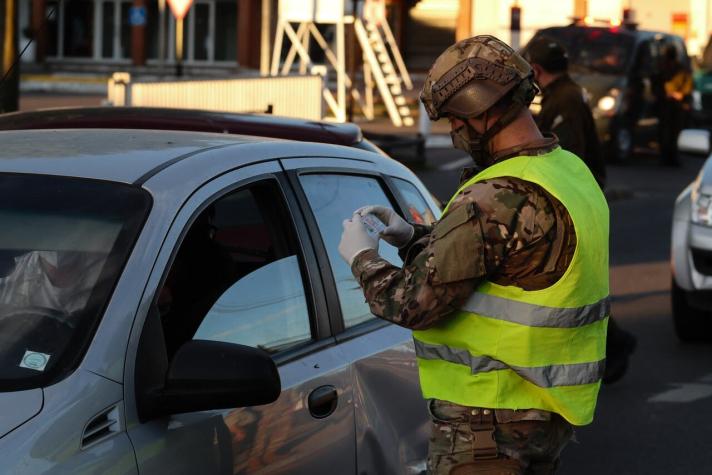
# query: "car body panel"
392,423
52,442
18,407
687,235
280,438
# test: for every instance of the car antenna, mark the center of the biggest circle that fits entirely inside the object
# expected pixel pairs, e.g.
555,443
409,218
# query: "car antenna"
19,56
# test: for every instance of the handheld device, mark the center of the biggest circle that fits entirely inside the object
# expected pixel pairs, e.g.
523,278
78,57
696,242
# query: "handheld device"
374,226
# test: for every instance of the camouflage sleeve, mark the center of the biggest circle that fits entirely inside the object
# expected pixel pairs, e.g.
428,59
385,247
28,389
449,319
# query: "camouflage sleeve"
416,243
486,222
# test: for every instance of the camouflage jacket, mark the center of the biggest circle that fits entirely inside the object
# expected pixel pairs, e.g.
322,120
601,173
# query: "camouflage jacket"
511,232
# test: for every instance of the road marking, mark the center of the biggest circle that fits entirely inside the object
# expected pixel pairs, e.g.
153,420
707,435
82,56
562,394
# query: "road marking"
459,163
685,392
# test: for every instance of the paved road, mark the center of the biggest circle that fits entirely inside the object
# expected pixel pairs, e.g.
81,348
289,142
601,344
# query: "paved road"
657,419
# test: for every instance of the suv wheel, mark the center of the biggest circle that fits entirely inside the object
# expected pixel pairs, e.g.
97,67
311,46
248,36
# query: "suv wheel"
691,324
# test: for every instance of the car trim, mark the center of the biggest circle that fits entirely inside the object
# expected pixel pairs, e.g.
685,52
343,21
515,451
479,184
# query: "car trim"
154,171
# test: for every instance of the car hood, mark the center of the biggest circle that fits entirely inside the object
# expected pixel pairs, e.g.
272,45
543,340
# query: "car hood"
18,407
597,85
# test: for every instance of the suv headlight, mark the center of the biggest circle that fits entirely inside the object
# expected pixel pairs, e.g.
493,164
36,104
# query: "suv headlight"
608,104
701,207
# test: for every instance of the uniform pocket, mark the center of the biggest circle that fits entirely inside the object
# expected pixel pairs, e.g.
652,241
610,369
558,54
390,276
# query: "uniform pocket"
458,252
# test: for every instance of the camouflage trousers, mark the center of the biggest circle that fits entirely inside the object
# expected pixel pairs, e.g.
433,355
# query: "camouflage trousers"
523,445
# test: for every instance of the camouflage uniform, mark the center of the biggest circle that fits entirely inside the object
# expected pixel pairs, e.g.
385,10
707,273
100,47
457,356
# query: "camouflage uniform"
511,232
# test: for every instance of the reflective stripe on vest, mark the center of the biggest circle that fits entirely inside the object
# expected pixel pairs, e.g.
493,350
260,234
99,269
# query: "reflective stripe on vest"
536,315
544,376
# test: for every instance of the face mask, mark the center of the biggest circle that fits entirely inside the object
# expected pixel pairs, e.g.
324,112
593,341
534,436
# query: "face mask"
466,138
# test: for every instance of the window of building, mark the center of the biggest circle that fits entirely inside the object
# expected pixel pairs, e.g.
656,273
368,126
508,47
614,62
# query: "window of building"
237,276
334,198
52,15
125,30
107,29
225,30
78,22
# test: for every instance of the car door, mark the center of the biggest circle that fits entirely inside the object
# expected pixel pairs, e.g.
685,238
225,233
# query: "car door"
392,426
236,267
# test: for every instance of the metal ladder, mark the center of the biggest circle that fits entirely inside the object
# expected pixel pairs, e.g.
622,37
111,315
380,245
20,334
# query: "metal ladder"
384,63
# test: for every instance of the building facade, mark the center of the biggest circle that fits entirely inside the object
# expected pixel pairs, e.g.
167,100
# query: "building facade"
103,35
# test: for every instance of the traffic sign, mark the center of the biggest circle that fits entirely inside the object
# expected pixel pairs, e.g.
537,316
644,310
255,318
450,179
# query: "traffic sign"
180,7
137,16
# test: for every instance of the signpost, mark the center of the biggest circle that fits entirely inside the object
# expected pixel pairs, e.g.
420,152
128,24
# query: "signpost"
180,9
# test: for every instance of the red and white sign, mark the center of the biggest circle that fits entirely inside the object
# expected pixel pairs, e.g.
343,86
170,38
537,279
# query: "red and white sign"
179,7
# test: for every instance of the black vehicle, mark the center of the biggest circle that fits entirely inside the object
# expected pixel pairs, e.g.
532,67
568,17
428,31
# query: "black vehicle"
620,69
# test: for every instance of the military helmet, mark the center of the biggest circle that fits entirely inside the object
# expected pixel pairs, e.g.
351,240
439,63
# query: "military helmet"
472,75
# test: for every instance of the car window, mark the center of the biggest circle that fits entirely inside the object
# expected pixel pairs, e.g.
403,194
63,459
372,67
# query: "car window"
599,50
63,245
334,198
418,211
237,276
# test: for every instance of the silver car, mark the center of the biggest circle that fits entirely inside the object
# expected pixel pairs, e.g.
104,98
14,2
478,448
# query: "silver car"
691,246
149,283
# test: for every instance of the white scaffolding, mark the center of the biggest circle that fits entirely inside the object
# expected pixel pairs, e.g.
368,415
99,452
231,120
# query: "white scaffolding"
383,66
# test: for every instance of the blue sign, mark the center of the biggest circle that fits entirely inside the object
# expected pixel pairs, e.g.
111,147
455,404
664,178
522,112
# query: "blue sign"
137,16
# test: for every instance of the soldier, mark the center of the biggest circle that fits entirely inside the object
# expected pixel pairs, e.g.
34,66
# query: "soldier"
508,293
565,112
677,87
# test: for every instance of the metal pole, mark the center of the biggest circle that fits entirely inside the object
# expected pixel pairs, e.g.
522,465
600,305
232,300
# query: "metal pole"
179,47
341,71
162,31
265,36
10,79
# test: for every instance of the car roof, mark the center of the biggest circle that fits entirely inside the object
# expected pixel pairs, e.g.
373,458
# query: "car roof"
620,30
116,155
133,156
155,118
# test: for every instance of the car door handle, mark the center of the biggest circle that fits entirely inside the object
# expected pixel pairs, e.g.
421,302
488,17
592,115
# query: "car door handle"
323,401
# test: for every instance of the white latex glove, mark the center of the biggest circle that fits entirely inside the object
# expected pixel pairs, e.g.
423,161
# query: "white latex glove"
398,231
355,239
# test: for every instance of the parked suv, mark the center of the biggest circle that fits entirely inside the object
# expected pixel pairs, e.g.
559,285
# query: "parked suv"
620,70
169,273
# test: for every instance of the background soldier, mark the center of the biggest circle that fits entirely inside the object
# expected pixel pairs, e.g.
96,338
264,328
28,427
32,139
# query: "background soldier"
510,320
564,110
677,88
566,113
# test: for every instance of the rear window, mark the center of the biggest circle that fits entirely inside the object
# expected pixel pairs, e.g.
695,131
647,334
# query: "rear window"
601,50
63,244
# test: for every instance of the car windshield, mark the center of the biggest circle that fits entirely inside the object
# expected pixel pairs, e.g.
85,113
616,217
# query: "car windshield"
600,50
63,244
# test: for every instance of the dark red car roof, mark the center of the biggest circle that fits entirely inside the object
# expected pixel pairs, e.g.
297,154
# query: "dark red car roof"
262,125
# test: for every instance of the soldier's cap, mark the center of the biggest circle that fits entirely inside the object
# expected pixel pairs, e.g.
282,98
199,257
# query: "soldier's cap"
547,53
474,74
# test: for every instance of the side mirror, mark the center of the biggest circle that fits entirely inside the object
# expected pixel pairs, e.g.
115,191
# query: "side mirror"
695,141
205,375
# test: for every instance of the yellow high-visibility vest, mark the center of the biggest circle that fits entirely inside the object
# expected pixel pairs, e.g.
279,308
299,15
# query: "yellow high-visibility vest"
508,348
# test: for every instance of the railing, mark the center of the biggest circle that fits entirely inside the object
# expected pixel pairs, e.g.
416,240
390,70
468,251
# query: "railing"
289,96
